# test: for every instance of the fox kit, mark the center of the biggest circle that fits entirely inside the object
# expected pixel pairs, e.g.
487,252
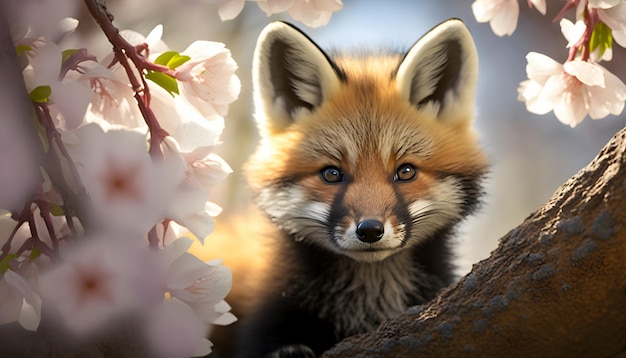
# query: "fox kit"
365,166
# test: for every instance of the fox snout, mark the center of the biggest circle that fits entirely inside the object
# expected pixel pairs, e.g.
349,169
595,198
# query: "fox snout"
370,230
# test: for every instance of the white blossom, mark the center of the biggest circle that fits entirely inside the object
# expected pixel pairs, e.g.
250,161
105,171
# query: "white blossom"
615,18
603,4
174,331
572,90
228,9
113,102
26,305
47,18
572,32
314,13
193,139
129,192
101,279
68,99
540,5
203,286
208,79
501,14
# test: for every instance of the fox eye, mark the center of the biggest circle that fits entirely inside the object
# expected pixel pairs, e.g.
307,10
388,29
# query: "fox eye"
405,172
331,175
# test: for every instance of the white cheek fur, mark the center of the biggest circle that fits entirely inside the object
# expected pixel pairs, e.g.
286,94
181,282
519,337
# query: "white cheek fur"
307,220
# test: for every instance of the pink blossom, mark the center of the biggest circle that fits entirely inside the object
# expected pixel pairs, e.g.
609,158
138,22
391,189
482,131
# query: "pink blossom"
603,4
540,5
129,191
96,282
572,90
228,9
201,285
47,18
573,33
69,99
271,7
193,139
19,301
314,13
615,18
501,14
174,330
208,80
113,102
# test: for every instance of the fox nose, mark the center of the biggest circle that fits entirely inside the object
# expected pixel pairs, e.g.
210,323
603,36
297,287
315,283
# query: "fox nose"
370,231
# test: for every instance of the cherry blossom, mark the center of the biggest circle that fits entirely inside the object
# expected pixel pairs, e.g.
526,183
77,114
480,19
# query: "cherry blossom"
175,331
573,34
47,18
572,90
201,285
23,303
228,9
129,191
313,13
20,301
613,14
69,98
193,139
208,80
603,4
502,15
97,281
113,102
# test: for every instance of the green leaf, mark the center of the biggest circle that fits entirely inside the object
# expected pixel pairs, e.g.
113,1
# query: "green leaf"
40,94
4,264
34,254
56,210
68,53
601,38
167,82
177,61
19,50
165,57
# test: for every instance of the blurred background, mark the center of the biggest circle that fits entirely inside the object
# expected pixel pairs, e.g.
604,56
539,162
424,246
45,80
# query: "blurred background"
531,155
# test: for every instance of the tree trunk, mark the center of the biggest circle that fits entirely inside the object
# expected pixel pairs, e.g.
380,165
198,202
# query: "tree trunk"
554,287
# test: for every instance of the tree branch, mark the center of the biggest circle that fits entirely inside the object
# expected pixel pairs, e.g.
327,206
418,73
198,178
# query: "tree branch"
555,286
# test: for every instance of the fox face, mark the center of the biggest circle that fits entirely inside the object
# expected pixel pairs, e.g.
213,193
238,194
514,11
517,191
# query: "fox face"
366,155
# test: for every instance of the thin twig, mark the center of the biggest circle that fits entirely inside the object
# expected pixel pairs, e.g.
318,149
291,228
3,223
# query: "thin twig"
123,51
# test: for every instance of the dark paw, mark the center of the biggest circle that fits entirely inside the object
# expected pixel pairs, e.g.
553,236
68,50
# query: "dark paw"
292,351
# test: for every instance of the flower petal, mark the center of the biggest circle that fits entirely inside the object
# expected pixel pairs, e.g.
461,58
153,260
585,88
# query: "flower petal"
505,21
229,10
540,67
586,72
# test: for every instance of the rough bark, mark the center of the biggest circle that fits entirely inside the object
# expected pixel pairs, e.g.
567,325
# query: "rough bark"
554,287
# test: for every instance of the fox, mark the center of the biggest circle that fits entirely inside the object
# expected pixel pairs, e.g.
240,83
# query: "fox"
366,165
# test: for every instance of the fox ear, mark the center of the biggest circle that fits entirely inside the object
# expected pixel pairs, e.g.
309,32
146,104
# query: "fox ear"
291,75
440,71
